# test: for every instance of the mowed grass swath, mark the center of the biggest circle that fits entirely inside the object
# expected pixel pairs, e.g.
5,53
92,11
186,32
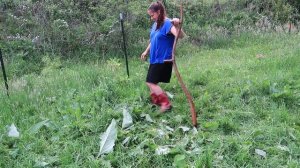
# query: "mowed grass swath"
246,92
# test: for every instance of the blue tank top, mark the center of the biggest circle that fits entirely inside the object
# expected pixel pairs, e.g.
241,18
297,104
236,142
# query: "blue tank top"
161,42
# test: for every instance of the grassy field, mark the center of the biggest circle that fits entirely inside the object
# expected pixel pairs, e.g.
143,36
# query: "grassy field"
246,91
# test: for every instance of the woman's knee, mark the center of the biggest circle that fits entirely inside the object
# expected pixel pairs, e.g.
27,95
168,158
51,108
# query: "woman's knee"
150,84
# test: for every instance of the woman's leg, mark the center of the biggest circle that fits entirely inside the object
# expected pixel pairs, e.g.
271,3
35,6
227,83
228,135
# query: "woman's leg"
159,97
154,92
154,88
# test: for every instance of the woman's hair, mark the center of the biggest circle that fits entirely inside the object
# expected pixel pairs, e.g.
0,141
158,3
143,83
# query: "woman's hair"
155,7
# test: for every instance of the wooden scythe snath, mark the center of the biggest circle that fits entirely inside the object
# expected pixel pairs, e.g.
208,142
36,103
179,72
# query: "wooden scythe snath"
184,88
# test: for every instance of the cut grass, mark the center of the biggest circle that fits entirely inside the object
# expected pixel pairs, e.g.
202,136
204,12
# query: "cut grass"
244,102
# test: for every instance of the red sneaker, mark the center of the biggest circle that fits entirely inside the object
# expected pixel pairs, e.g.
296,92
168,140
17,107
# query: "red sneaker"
154,99
164,102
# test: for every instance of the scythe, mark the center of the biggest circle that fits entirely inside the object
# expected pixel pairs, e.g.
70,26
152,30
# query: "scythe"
184,88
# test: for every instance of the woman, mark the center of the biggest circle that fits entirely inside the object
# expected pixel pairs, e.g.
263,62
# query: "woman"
162,36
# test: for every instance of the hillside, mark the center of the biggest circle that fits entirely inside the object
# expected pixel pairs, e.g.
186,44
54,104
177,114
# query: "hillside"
246,91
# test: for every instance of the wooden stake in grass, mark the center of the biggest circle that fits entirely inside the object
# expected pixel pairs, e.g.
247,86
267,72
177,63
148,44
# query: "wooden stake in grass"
184,88
4,73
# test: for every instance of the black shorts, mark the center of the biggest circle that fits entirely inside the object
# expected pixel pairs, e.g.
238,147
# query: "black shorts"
159,73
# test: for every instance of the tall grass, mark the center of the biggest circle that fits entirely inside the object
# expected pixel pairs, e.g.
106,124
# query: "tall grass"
246,91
